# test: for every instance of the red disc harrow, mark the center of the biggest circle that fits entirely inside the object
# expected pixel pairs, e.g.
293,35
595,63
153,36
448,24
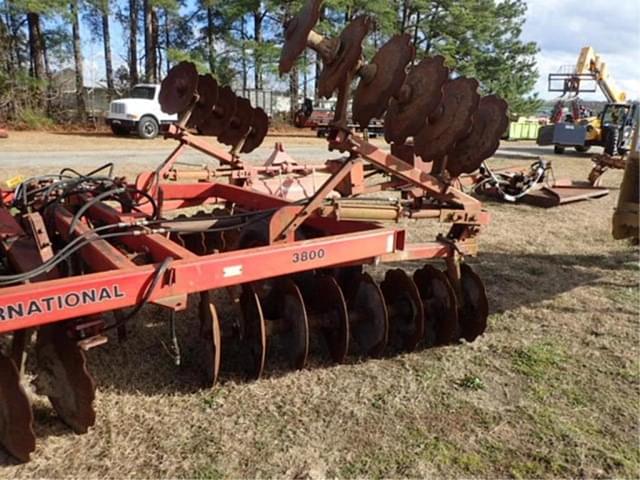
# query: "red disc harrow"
288,240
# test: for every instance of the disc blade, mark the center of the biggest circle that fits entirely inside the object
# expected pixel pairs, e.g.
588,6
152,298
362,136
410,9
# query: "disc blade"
207,98
223,111
326,302
178,87
64,378
296,33
368,317
418,97
239,125
406,314
335,73
259,128
16,417
293,314
210,333
254,337
347,278
440,306
389,63
489,124
475,308
452,122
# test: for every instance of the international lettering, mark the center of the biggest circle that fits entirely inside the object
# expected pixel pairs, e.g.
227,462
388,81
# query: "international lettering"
71,300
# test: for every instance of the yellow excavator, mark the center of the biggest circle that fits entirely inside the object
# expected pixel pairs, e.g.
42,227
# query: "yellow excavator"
627,213
575,127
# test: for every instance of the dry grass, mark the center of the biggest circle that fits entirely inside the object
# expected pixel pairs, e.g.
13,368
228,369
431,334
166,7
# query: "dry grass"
551,389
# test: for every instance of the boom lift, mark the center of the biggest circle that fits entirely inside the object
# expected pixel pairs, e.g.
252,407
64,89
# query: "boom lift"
610,129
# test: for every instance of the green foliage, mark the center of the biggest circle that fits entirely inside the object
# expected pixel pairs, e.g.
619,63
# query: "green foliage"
239,41
481,39
471,382
34,119
538,360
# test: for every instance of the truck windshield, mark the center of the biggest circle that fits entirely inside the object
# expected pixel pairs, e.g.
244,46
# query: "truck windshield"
143,92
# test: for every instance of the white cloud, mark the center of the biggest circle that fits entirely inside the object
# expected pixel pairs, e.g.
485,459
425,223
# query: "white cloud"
562,27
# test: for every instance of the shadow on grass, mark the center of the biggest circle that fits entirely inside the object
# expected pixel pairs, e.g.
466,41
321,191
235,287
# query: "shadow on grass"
142,366
513,281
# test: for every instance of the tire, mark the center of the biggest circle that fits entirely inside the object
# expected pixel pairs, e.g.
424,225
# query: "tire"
559,149
611,141
119,130
582,148
148,128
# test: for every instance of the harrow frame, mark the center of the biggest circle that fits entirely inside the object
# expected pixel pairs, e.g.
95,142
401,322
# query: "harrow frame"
272,252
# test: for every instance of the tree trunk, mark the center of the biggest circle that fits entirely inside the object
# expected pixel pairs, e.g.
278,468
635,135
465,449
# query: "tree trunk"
155,44
293,93
405,19
210,40
14,28
167,39
133,42
243,38
81,102
36,56
305,75
150,42
106,38
36,47
257,54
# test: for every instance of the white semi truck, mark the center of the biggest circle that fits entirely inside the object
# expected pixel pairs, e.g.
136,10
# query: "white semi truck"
140,113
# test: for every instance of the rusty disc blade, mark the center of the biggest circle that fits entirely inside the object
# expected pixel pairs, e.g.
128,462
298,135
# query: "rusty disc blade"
440,306
418,97
259,128
327,302
406,314
475,307
239,125
223,112
347,279
293,314
178,88
210,333
296,33
388,74
16,417
489,124
254,338
368,317
452,120
64,378
207,98
347,57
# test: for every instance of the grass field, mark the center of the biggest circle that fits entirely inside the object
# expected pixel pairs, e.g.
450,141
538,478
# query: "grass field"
551,390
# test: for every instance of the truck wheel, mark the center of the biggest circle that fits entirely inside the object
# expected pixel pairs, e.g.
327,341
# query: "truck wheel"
148,128
559,149
611,141
119,130
582,148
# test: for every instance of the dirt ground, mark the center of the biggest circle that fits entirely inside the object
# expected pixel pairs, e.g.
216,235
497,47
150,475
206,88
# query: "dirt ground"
34,141
551,390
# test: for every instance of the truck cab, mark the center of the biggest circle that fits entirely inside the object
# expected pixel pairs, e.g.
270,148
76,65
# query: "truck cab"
140,112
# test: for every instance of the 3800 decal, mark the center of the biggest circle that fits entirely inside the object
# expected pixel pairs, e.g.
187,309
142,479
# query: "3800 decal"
308,255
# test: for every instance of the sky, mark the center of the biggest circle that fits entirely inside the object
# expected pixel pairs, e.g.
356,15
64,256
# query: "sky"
559,27
562,27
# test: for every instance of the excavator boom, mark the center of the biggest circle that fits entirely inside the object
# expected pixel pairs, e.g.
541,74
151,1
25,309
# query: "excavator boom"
589,63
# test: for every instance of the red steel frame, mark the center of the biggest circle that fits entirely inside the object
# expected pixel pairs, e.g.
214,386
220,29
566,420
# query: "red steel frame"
119,283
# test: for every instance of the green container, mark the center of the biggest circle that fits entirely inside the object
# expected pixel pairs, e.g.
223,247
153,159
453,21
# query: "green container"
523,129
